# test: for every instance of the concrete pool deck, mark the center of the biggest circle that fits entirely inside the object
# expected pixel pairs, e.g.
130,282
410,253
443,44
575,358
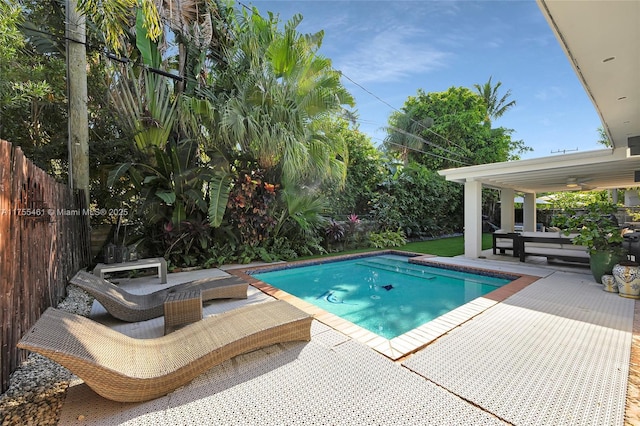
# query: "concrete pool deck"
560,351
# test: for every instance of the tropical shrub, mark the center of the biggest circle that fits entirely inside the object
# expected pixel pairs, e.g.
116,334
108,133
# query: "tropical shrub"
429,205
365,173
352,225
300,221
420,202
597,226
289,249
385,212
222,253
384,239
248,207
334,231
187,245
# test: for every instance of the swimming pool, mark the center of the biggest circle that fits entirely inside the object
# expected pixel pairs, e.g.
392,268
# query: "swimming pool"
384,294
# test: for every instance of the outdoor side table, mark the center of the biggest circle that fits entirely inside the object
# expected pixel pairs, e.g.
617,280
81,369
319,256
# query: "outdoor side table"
182,308
513,236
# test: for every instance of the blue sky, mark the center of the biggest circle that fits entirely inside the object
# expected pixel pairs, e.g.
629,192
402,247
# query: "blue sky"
393,48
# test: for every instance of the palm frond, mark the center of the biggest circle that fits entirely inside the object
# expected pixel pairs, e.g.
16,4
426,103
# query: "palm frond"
146,108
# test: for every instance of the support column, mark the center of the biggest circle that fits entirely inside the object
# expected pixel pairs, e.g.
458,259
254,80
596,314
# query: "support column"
631,198
507,213
472,218
529,212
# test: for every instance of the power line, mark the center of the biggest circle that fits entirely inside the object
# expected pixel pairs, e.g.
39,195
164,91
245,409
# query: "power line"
125,60
396,109
404,132
244,5
421,139
424,152
401,112
360,121
103,50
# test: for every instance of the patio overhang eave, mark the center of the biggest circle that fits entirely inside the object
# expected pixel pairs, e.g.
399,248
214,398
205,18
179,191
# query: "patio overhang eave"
600,169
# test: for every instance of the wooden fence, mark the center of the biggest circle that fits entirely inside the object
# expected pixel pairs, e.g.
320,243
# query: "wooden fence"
44,241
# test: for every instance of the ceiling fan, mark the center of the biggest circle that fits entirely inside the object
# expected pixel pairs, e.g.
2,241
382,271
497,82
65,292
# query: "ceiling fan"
579,183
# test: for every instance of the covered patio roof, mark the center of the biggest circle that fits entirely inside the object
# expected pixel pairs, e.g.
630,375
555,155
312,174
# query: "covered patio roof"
602,42
601,169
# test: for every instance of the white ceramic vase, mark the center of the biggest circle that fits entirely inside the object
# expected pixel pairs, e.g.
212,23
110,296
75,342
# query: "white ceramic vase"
609,283
628,280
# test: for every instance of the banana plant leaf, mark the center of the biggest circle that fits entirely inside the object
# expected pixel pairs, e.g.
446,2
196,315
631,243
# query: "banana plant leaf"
117,173
148,48
219,188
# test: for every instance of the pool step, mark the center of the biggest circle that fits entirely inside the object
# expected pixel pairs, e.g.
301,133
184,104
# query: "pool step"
404,269
398,266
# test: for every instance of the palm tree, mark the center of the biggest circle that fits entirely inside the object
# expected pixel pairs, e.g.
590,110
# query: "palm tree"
112,17
146,107
257,97
404,134
200,31
278,90
495,107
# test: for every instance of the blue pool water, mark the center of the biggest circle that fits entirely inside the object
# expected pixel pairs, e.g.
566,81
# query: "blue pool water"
384,294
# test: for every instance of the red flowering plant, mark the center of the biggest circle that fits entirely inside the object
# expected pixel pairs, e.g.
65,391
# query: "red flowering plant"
248,207
352,222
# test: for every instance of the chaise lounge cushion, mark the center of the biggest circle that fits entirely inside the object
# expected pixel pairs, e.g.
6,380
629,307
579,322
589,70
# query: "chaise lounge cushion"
563,249
125,369
134,307
543,235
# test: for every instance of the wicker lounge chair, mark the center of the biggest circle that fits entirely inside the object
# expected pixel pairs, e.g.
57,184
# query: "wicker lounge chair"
124,369
133,307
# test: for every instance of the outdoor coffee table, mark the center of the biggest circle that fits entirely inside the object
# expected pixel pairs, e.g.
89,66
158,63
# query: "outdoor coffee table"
156,262
182,308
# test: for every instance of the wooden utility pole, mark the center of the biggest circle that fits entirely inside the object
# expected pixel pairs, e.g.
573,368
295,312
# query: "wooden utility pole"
77,98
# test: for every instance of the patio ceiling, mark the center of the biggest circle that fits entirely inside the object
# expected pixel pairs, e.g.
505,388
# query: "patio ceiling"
602,41
591,33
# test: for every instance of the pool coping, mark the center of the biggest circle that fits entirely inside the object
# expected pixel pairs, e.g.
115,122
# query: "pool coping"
411,341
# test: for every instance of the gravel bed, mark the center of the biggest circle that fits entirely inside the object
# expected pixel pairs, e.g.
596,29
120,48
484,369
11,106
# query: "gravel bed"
38,387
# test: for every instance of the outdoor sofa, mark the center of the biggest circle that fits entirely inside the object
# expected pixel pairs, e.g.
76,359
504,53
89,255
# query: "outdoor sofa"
552,245
133,307
125,369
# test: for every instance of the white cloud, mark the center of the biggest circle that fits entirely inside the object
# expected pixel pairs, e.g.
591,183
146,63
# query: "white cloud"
392,55
494,43
553,92
546,122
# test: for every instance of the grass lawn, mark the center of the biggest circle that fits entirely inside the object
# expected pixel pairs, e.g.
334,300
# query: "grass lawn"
449,247
453,246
